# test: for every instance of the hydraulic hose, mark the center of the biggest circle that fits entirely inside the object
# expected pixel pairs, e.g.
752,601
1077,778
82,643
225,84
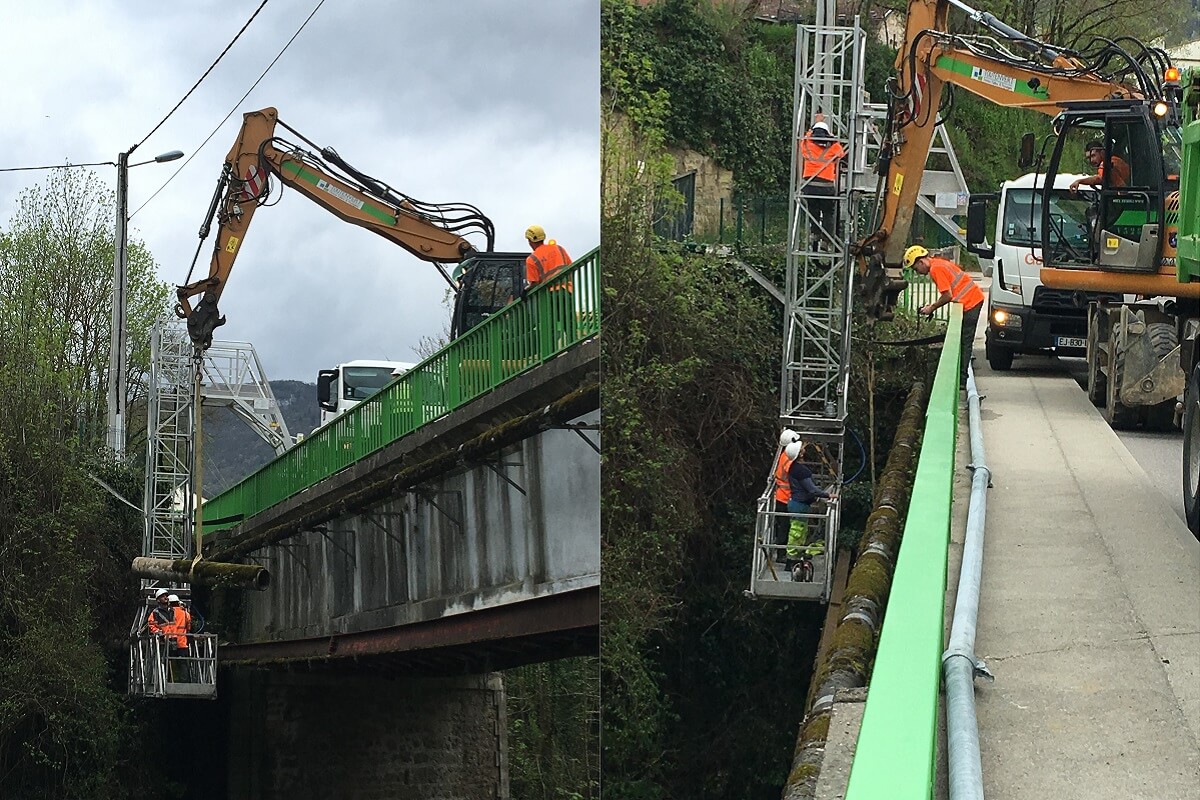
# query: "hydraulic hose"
959,664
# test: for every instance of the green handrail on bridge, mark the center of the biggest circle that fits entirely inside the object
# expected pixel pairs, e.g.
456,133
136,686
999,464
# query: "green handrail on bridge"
896,745
551,318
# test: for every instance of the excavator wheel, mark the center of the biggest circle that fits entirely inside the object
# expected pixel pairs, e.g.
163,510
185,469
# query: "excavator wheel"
1191,451
1163,339
1116,413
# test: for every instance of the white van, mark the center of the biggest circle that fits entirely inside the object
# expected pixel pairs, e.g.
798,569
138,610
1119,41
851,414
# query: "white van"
345,386
1023,315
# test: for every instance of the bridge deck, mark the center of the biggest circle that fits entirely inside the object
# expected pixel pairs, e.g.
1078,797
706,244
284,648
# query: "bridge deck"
556,317
1090,603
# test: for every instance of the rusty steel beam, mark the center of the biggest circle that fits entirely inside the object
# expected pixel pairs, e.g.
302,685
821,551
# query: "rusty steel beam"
577,610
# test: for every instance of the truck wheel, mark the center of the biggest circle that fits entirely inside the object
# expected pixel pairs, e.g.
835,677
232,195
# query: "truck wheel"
1116,413
1191,451
999,358
1163,339
1097,386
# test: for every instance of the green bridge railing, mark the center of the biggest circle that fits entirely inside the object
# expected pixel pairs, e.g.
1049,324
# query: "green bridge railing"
896,745
551,318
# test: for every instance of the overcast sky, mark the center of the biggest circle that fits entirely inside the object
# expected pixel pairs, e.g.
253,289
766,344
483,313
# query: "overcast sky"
490,103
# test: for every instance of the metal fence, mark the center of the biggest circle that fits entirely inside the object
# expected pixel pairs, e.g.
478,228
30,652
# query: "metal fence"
548,320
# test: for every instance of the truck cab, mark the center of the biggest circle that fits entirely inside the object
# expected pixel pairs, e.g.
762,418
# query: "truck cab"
346,385
1025,316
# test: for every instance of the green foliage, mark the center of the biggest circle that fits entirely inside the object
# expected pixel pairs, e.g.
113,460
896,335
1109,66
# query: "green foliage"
56,262
729,82
65,544
554,729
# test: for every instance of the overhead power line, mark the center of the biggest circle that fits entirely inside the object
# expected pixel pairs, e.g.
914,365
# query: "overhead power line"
202,77
232,110
61,166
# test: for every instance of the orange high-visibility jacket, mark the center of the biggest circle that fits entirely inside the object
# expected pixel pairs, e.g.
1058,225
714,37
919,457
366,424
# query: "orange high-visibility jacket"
949,277
544,262
179,627
783,489
820,161
160,619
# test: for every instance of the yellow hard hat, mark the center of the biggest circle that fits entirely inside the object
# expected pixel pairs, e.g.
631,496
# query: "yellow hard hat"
912,254
535,233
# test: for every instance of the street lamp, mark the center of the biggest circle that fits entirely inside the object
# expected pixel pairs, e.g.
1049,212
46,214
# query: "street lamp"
116,355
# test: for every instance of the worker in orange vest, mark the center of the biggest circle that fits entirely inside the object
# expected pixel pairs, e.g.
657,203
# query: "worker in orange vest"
161,617
956,286
177,633
820,156
783,493
545,259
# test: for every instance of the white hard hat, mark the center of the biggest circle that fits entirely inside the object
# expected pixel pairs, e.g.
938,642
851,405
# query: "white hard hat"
159,593
787,437
173,598
794,449
820,126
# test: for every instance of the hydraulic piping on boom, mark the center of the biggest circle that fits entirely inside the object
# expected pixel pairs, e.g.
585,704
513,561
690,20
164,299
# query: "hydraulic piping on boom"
433,232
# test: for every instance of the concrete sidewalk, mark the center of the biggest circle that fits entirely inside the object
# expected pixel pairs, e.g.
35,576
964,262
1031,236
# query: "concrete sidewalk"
1090,607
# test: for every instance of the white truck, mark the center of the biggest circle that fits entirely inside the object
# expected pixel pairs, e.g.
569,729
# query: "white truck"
1023,315
346,385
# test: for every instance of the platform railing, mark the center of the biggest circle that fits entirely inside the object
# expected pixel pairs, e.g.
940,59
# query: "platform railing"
155,672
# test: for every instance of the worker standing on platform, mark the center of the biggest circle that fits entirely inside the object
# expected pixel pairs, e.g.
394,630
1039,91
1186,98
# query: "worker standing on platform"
804,492
956,286
181,625
546,258
820,156
161,617
783,493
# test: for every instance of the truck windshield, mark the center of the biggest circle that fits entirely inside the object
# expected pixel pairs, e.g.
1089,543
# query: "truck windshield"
359,383
1068,219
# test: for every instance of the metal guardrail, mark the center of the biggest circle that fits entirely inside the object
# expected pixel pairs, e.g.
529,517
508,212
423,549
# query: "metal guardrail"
896,745
920,291
548,320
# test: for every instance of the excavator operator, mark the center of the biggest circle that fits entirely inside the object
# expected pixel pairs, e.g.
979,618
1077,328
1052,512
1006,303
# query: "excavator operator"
1095,157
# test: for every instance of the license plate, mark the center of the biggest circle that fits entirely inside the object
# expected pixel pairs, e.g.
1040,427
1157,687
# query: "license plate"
1069,341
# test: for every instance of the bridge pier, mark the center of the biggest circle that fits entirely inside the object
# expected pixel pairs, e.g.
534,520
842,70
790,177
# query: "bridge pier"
317,735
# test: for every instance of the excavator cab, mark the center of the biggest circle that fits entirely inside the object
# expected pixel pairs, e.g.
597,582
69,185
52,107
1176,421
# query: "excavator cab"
1139,172
487,282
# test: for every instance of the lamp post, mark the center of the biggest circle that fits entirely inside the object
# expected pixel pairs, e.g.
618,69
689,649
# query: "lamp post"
116,354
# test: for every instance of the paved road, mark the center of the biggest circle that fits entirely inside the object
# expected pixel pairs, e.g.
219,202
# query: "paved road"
1089,616
1160,454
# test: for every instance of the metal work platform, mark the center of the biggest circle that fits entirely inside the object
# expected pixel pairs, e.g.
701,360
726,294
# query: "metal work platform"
153,672
811,577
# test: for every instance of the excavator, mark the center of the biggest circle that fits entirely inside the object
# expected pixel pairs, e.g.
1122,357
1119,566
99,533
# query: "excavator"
432,232
1140,236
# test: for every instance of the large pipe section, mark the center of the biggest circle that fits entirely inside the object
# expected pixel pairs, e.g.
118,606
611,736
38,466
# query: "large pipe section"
203,573
959,664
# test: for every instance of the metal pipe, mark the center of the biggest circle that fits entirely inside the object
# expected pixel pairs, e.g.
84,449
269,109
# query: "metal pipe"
202,573
959,664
